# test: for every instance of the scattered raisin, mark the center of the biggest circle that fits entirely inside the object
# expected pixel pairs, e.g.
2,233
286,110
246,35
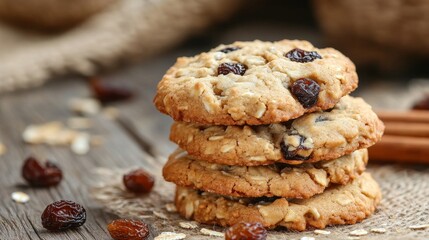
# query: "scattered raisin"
306,90
127,229
422,104
246,231
294,154
236,68
63,215
229,49
139,181
108,92
39,175
302,56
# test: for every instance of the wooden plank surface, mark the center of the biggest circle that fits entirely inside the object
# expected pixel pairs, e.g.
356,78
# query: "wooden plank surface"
22,221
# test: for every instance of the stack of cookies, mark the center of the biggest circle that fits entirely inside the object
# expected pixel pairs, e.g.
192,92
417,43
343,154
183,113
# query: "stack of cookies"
267,133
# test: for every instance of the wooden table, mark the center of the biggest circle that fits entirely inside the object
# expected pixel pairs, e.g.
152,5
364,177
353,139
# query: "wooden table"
135,139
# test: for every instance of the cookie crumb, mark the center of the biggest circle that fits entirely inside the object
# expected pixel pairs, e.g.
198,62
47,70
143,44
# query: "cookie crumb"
20,197
378,230
419,227
170,207
170,236
212,233
160,215
307,238
358,232
2,149
322,232
188,225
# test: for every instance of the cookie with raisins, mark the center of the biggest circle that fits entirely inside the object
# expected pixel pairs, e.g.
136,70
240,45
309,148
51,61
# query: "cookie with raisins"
255,83
349,125
338,205
275,180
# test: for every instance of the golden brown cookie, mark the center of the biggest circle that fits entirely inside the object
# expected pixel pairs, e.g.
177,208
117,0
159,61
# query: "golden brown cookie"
255,83
317,136
282,180
344,204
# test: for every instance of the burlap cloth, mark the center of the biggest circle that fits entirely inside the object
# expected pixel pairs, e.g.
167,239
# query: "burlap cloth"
405,203
127,29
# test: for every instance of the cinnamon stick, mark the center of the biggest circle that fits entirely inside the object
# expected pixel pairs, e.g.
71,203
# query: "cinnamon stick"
402,149
409,129
417,116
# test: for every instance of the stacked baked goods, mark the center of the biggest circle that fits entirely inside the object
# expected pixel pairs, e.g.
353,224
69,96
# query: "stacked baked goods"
267,133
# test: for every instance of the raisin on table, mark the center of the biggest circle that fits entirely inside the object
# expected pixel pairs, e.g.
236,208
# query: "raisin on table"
63,215
127,229
246,231
139,181
107,92
41,175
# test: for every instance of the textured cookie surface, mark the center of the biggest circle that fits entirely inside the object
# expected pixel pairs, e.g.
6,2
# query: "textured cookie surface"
202,89
344,204
317,136
300,181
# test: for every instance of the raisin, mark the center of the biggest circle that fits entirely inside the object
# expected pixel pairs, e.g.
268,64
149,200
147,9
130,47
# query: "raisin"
295,153
422,104
39,175
236,68
127,229
63,215
229,49
246,231
321,119
139,181
306,90
108,92
302,56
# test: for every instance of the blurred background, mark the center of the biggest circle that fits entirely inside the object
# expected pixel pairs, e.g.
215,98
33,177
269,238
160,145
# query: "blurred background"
121,39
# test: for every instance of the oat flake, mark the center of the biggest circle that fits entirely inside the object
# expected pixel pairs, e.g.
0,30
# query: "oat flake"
20,197
160,215
378,230
307,238
358,232
170,236
188,225
419,227
322,232
209,232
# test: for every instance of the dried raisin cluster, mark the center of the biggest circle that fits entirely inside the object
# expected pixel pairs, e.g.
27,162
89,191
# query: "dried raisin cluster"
306,90
302,56
235,68
127,229
108,92
139,181
63,215
246,231
41,175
